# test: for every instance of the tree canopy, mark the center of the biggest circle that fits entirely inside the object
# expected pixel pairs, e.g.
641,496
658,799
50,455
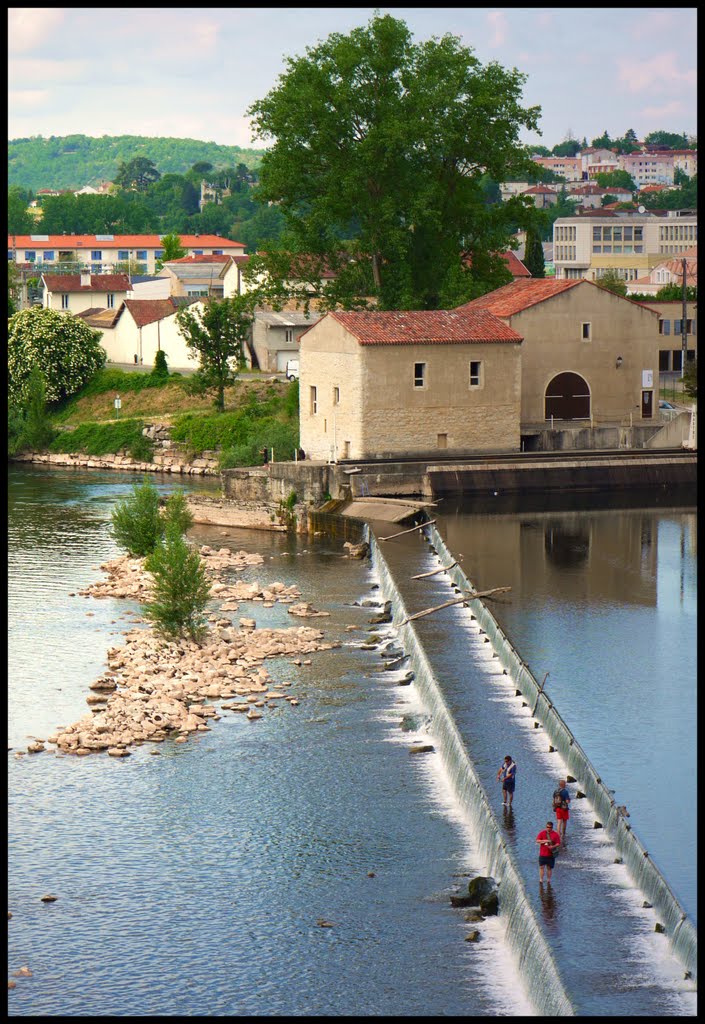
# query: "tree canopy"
216,332
616,179
391,138
172,249
138,174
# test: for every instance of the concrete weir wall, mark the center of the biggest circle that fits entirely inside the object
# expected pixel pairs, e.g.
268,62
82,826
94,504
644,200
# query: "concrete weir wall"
678,926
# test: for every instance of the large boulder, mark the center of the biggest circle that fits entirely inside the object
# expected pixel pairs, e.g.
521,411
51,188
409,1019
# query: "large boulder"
480,887
489,905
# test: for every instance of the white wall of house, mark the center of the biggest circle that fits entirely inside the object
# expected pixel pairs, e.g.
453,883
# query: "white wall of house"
157,288
126,340
77,302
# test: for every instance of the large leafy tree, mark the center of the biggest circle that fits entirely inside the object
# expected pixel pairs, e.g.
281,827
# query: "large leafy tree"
617,179
674,140
216,332
138,174
19,221
373,130
172,249
66,349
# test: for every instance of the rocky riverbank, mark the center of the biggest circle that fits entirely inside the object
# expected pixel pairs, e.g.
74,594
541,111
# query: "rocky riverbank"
154,689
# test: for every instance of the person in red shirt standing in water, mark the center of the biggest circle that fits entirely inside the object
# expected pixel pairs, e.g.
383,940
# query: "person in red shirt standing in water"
548,841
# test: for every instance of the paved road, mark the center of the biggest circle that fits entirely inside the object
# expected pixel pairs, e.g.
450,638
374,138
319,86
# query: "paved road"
188,371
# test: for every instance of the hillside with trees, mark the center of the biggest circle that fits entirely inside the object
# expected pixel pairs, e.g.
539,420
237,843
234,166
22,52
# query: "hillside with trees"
71,161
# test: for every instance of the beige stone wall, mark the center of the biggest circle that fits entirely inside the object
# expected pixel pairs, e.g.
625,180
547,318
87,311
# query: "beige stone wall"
553,344
381,412
330,358
399,417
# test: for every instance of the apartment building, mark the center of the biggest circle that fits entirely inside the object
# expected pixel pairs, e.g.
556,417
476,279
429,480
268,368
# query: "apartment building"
568,167
649,168
98,254
632,244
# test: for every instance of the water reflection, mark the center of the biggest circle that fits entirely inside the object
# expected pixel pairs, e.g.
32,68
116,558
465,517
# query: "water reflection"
564,545
547,897
509,822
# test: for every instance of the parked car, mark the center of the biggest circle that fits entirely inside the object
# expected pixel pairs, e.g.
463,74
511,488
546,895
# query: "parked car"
665,405
292,369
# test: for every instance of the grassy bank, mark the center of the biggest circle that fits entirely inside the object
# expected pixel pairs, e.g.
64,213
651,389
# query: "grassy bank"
258,414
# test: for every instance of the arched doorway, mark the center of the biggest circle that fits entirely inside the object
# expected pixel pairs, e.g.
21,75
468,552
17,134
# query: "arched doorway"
568,397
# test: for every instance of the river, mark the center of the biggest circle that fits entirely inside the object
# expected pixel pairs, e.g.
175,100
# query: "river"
193,883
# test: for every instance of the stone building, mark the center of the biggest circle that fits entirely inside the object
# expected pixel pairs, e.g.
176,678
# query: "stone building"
385,384
588,355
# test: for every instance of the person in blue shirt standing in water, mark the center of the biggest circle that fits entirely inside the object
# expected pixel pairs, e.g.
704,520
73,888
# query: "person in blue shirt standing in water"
507,773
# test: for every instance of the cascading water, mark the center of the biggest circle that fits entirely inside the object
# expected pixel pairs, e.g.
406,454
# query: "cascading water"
678,926
545,987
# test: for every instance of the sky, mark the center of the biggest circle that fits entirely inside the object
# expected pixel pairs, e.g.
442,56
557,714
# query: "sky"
192,73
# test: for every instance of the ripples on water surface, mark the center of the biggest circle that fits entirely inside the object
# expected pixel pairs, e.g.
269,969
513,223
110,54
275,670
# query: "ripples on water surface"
191,883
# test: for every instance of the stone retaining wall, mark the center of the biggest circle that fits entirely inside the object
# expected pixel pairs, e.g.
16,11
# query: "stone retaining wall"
121,461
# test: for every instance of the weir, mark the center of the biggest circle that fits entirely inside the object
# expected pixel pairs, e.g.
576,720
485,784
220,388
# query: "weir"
538,967
679,928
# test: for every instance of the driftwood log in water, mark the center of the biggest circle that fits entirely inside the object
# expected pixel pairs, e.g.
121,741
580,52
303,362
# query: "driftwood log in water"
434,572
457,600
402,532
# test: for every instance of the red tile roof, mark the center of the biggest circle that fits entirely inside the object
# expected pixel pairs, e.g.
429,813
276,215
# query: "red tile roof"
539,190
119,242
147,311
519,295
514,264
425,327
99,283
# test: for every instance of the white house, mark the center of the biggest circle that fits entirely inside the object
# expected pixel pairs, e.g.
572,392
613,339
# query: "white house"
74,293
139,328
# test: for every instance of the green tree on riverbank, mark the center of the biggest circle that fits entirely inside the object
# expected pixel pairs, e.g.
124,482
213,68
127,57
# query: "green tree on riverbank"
181,587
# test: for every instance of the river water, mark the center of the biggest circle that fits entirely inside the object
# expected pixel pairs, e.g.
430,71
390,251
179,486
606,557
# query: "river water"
605,602
192,883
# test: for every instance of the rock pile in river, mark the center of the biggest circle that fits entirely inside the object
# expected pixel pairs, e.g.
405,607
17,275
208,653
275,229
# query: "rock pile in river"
154,689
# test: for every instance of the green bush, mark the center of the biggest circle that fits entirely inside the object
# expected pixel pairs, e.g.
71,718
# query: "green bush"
177,514
248,430
161,368
181,588
29,426
106,439
112,379
195,384
137,522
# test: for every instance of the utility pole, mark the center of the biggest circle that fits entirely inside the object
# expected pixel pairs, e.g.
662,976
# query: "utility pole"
684,321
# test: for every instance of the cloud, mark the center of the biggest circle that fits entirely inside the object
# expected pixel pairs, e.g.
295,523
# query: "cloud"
34,70
660,74
497,21
653,23
27,97
29,27
664,111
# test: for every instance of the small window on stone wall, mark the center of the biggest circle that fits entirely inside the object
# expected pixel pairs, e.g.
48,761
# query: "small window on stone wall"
586,332
419,375
476,380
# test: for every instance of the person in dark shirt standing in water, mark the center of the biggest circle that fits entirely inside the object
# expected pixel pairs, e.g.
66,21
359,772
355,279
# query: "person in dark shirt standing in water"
507,773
